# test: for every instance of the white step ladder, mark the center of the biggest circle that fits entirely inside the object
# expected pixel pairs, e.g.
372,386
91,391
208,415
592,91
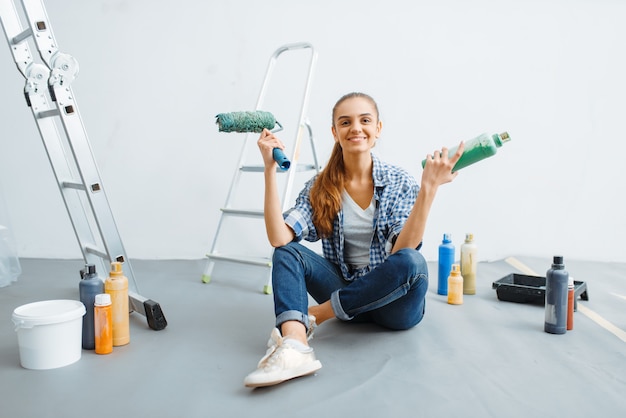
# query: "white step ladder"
49,95
229,211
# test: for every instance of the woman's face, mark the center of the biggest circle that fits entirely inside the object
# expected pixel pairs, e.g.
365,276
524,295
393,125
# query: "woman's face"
356,126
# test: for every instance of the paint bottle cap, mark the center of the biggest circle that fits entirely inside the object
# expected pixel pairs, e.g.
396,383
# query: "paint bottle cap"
103,299
116,268
501,138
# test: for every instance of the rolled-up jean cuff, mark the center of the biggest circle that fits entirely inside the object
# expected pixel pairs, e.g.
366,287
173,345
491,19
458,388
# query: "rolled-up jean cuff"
337,309
292,316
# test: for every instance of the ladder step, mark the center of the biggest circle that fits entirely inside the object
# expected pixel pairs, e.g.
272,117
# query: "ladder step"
260,168
73,185
27,33
48,113
256,261
96,251
249,213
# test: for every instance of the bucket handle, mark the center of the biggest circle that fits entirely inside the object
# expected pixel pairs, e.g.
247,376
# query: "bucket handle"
22,324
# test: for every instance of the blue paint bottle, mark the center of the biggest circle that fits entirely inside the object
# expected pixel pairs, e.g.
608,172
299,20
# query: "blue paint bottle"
556,297
446,259
89,286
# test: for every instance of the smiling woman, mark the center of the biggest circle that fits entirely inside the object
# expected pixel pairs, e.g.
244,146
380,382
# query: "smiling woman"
371,217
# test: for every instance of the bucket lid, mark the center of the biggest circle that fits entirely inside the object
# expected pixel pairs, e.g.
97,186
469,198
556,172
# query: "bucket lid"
47,312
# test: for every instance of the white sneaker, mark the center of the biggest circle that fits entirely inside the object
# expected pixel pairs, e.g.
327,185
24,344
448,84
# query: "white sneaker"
282,362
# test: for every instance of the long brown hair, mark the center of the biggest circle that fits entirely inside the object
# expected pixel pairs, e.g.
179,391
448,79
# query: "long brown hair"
326,191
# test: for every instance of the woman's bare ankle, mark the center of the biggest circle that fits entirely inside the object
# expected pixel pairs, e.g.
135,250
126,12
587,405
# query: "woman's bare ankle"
295,330
322,312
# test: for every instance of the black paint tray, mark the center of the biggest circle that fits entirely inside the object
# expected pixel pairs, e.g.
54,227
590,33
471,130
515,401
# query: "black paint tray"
522,288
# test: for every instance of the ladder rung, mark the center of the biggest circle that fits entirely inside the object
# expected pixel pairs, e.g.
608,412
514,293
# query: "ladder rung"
95,251
243,212
260,168
48,113
256,261
21,36
73,185
252,168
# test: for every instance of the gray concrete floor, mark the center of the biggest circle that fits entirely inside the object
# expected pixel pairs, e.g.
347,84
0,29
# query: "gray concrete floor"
485,358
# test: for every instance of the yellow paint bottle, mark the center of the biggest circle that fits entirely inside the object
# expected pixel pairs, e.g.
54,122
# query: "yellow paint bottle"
469,264
116,285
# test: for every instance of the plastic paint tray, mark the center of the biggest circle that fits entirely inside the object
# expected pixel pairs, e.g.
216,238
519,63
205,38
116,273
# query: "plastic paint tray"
522,288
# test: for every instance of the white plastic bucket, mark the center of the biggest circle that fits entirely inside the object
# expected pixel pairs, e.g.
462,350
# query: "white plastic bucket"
49,333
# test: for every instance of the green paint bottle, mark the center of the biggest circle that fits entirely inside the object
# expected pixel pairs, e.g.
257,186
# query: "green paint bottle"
477,149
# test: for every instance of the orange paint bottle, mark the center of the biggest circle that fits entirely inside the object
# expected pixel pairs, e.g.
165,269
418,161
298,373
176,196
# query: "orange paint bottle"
455,286
571,299
103,324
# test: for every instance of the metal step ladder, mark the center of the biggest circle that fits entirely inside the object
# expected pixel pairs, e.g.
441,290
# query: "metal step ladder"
229,211
49,95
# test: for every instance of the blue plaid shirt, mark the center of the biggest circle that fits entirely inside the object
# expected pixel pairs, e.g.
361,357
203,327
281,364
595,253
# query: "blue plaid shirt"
395,191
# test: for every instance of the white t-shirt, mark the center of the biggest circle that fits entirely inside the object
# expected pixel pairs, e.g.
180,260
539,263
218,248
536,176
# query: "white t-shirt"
358,230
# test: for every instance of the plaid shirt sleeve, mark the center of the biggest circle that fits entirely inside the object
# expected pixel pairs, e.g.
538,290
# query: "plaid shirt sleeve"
396,191
300,216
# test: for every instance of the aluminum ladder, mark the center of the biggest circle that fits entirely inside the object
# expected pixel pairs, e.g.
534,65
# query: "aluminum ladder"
265,259
49,95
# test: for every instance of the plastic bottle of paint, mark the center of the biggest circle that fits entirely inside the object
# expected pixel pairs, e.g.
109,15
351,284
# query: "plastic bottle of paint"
103,324
116,285
570,303
455,286
469,264
556,297
477,149
446,259
90,285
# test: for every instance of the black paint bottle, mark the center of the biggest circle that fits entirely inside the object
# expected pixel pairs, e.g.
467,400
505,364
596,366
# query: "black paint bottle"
556,297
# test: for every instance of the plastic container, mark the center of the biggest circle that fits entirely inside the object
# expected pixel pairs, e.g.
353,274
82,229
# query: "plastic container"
455,286
103,324
89,286
469,264
116,285
477,149
49,333
446,259
556,297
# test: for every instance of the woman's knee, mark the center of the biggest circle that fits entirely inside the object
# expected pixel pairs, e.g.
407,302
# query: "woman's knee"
289,250
411,261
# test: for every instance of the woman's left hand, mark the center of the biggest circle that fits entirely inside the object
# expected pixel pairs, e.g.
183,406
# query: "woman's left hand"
439,165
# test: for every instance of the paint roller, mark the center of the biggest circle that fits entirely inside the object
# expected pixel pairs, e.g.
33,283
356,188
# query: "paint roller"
253,121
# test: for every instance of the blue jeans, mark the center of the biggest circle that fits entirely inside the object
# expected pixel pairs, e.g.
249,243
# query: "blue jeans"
392,295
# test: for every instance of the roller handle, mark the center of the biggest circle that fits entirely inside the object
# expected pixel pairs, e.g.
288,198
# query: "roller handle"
281,159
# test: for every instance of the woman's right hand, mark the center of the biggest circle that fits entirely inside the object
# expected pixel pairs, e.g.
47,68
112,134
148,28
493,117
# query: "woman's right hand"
267,142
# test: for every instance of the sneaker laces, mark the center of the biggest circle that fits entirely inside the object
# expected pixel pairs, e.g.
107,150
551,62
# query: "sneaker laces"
311,329
274,342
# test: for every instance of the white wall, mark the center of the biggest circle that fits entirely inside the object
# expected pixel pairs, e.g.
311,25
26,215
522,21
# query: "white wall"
154,73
